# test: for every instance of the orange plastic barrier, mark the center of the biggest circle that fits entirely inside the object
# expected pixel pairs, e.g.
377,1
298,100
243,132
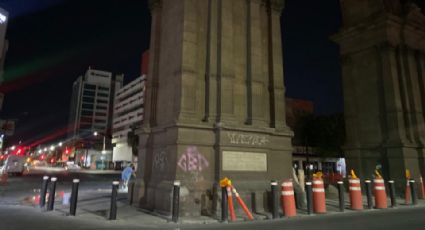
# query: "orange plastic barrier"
242,204
421,188
407,193
355,189
319,201
380,193
230,203
288,199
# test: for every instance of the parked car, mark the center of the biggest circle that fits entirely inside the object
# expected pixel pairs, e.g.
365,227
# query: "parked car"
71,166
13,164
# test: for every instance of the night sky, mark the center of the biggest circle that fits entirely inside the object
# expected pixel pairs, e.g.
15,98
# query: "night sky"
52,42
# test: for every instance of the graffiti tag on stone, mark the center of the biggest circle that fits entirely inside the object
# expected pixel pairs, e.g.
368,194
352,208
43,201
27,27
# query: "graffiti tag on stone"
247,139
160,160
192,160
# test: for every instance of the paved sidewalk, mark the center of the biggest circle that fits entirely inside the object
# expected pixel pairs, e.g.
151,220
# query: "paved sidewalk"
95,205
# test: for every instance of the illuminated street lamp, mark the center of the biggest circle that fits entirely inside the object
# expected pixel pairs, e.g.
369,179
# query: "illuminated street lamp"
60,144
13,147
39,151
52,148
45,149
103,150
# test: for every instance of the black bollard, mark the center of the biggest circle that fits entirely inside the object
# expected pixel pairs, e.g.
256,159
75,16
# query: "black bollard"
132,184
369,194
52,191
113,210
74,197
176,201
392,193
341,195
309,194
224,210
413,192
43,191
275,199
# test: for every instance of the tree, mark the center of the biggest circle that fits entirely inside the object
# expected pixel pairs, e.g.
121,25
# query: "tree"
325,133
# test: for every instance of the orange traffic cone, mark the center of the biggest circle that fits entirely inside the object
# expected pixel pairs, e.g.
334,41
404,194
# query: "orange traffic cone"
319,200
288,199
421,188
356,199
407,193
407,190
380,194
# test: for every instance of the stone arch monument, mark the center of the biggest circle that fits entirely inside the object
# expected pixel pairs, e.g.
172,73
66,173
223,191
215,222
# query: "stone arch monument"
383,69
214,104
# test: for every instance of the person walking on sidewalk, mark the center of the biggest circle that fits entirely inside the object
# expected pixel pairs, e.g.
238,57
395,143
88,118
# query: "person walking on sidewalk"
126,175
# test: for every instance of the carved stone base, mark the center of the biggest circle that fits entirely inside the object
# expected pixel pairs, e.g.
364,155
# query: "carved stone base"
195,156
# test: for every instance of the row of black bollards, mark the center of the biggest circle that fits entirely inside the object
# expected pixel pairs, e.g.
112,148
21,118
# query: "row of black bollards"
275,199
341,197
368,187
74,197
113,208
52,193
309,196
413,192
392,193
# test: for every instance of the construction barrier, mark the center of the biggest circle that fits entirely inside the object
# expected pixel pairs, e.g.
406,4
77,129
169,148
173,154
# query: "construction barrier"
230,202
242,204
407,193
380,193
319,201
421,188
356,200
288,199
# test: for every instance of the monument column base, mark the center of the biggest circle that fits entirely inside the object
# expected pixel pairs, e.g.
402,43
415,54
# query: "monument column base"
199,156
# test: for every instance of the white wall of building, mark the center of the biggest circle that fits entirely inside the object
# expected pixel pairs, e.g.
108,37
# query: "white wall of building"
128,111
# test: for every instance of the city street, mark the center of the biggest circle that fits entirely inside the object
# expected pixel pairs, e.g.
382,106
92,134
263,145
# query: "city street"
21,188
18,210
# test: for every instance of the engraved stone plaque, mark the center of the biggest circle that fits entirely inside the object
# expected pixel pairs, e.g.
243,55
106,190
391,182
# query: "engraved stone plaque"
244,161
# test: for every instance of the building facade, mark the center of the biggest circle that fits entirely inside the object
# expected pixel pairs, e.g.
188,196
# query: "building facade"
128,114
4,18
92,111
214,105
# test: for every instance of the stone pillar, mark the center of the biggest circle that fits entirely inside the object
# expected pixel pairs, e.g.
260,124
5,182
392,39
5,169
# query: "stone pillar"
214,104
383,86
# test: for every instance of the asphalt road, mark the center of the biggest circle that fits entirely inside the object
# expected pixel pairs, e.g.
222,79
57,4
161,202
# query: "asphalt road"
20,188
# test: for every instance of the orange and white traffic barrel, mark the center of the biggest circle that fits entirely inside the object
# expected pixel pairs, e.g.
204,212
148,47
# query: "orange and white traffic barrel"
356,199
288,199
421,188
380,193
407,192
319,201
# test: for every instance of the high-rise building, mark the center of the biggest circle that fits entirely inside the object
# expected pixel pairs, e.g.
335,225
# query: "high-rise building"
92,108
128,114
3,42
